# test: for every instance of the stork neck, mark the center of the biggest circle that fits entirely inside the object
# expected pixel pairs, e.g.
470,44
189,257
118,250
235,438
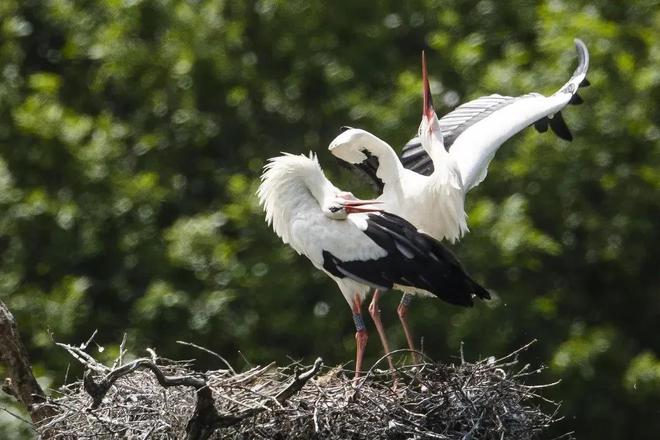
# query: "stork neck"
389,165
435,148
321,188
445,169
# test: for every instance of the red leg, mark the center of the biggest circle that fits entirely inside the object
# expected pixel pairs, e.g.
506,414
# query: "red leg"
374,311
402,311
360,335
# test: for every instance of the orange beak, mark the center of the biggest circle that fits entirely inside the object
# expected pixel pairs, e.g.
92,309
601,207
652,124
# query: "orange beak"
357,205
428,110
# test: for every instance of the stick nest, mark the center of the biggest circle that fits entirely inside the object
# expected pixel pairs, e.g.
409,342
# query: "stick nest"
157,398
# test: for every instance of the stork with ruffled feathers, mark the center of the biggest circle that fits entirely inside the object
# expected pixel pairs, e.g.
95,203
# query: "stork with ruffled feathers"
450,156
356,243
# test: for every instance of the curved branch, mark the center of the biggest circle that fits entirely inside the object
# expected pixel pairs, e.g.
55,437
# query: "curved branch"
100,389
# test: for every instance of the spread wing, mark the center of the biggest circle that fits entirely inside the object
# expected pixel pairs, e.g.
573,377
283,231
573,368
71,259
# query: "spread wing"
475,130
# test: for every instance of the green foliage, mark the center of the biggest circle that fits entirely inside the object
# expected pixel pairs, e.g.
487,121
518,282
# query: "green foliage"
132,134
644,374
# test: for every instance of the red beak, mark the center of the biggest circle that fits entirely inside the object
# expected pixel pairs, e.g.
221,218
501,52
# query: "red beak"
357,205
428,110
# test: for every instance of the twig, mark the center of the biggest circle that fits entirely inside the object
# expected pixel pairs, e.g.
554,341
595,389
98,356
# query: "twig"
256,373
84,358
515,352
16,416
299,381
212,353
385,356
249,364
122,352
84,345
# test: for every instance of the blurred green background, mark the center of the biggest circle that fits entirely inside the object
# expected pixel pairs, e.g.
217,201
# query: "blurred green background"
132,135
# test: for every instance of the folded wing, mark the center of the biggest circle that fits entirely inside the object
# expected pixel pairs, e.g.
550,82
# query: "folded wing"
413,259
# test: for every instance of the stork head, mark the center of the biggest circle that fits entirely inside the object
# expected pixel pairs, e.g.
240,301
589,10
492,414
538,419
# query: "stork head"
348,144
429,128
345,203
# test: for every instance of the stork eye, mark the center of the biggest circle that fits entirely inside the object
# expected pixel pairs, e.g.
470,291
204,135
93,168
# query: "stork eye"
344,128
335,208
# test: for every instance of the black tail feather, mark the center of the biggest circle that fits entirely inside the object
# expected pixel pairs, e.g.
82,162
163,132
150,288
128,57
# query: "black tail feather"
558,125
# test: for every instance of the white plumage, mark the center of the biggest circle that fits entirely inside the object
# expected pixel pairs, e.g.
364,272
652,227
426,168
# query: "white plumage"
297,196
428,185
434,203
356,244
450,156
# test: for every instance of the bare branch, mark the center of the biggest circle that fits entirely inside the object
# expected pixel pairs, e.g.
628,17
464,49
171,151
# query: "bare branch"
99,390
212,353
299,381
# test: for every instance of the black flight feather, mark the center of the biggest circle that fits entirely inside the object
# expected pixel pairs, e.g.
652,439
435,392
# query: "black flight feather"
576,99
413,259
558,125
541,125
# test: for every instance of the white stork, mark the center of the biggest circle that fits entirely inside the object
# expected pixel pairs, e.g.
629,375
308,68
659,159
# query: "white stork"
355,243
450,156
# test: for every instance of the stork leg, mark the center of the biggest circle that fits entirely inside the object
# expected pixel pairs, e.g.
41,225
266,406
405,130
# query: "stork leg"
374,311
360,334
402,311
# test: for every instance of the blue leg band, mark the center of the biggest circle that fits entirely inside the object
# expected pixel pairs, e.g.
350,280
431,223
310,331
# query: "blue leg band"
359,322
406,299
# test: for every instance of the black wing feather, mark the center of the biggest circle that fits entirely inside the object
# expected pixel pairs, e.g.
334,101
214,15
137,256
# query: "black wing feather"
541,125
413,259
558,125
576,99
367,169
414,157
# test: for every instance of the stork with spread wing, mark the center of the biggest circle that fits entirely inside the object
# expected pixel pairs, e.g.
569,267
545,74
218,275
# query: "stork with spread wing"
450,156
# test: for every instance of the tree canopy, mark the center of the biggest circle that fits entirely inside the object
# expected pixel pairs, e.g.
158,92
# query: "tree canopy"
133,132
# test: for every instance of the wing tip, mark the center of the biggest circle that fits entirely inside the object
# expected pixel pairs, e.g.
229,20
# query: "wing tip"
583,58
576,99
559,127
